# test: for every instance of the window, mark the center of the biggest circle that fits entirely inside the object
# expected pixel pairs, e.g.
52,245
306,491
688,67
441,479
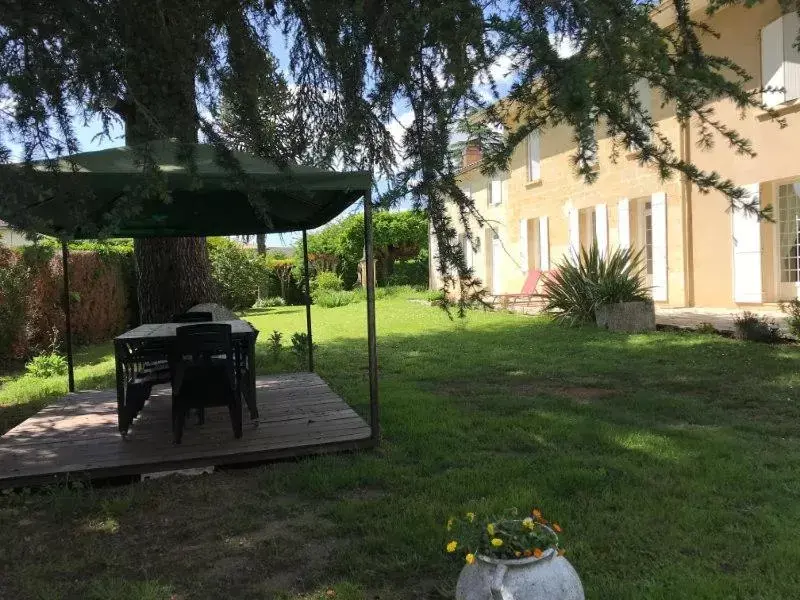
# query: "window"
648,237
587,227
789,231
495,191
534,157
780,60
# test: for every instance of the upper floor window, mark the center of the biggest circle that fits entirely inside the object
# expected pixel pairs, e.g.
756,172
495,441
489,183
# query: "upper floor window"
534,156
780,60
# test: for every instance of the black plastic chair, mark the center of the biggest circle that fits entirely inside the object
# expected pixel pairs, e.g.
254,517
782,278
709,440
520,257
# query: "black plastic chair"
204,375
145,366
193,317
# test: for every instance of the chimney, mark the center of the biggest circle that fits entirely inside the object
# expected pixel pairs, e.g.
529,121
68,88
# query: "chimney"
472,154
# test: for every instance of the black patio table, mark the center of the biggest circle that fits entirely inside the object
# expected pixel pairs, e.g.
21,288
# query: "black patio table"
156,341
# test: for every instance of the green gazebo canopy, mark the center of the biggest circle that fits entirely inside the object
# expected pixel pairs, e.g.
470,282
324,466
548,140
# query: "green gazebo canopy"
106,191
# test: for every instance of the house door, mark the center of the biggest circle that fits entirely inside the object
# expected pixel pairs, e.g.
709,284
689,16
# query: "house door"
788,240
497,258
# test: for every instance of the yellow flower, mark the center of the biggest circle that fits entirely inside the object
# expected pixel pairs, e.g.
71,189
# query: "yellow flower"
449,524
497,542
490,529
561,553
470,559
451,547
471,516
528,523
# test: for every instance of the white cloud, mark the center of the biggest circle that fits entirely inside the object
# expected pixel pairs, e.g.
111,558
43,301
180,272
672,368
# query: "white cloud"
502,70
564,45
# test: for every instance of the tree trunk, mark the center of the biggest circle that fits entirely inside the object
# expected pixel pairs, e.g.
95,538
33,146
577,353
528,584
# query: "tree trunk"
173,273
261,244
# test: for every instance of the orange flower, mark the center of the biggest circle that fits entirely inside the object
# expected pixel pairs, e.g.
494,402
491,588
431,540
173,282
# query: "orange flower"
537,553
557,528
537,513
561,552
528,553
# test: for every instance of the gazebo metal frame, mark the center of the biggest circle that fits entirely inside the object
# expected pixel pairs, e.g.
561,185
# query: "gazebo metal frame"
293,199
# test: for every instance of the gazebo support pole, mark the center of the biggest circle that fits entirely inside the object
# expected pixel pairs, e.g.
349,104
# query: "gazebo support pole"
68,323
369,269
307,286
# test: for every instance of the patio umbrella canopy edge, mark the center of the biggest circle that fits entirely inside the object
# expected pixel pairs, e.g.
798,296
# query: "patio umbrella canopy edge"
255,196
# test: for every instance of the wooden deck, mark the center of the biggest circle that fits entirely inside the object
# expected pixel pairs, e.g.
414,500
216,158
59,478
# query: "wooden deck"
77,437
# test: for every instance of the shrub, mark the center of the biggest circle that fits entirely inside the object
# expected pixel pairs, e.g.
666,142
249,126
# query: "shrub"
332,299
46,365
237,272
275,344
269,302
792,309
756,328
575,289
327,281
102,298
300,346
409,272
14,278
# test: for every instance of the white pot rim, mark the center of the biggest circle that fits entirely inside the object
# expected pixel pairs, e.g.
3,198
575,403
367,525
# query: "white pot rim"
517,562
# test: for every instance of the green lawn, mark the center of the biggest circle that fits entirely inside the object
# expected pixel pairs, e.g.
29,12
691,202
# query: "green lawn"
672,460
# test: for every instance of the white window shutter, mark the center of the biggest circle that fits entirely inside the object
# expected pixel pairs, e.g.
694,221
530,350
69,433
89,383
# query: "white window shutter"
601,227
534,156
574,234
772,62
658,205
747,254
496,191
644,95
523,244
544,244
791,57
624,222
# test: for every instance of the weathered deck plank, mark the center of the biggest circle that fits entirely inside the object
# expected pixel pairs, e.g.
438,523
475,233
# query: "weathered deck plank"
77,435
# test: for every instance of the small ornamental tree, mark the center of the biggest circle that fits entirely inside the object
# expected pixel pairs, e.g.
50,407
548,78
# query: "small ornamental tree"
283,268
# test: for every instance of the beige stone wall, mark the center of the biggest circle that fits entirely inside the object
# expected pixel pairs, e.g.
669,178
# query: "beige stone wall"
699,230
777,151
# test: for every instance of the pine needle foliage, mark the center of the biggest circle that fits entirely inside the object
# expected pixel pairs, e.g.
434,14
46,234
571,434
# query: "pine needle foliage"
179,68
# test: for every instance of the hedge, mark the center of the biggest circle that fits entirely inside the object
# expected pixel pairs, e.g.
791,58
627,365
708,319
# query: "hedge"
31,289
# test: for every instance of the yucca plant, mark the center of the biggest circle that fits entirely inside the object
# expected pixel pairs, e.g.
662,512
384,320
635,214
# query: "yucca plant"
575,288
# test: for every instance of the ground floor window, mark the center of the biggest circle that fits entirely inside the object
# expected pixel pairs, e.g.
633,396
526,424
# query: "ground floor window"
648,237
789,231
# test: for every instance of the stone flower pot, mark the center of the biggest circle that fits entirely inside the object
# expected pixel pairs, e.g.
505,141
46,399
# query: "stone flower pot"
627,316
549,577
